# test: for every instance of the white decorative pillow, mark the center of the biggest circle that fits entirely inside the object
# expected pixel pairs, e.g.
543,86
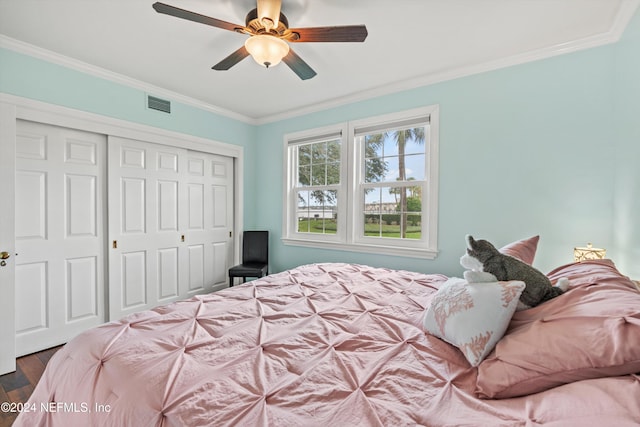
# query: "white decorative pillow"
473,317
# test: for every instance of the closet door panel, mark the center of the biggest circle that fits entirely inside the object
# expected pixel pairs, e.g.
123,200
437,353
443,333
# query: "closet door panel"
143,206
167,205
133,216
60,239
82,205
210,218
168,273
196,268
82,288
33,294
134,280
32,204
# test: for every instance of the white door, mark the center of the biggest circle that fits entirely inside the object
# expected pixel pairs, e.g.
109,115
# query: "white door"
7,238
209,220
59,234
166,242
144,235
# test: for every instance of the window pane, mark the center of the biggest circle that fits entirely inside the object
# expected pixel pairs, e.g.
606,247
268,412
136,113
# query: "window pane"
319,163
304,175
317,212
303,211
375,169
414,146
395,155
393,212
414,167
390,146
333,173
333,151
319,174
319,152
411,214
304,155
372,211
373,145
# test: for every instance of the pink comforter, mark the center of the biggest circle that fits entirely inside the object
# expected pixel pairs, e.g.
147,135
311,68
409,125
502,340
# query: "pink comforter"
320,345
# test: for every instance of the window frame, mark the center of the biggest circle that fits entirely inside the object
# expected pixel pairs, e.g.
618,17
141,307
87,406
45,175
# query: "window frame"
290,216
350,233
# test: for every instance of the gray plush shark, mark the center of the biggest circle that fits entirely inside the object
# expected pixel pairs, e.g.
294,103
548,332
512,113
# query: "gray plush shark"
486,264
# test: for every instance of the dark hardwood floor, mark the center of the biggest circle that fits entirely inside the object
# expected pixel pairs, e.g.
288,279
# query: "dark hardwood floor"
17,386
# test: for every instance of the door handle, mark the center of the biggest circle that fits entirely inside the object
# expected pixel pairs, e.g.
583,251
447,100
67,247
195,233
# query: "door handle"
3,256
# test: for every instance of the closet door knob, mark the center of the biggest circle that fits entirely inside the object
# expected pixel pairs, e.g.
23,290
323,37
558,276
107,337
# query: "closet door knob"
4,255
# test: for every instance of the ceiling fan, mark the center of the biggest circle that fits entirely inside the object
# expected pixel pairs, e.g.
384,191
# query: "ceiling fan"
268,31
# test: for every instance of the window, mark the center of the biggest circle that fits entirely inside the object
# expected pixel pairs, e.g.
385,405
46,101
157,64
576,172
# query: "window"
317,183
316,187
368,185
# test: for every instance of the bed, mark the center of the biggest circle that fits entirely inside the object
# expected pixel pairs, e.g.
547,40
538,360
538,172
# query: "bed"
335,344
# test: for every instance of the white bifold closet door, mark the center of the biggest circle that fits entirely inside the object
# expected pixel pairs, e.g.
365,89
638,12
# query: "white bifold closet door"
170,224
60,234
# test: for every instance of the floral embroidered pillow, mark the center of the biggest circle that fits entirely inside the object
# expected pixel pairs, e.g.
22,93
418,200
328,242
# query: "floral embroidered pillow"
473,317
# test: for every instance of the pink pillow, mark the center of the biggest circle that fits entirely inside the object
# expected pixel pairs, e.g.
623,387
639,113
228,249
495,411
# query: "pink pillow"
524,250
591,331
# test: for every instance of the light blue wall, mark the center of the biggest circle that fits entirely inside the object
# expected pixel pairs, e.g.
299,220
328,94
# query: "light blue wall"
627,125
522,152
548,148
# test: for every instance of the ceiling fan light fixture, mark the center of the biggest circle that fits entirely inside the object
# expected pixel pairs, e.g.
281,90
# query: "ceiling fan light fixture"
268,31
266,50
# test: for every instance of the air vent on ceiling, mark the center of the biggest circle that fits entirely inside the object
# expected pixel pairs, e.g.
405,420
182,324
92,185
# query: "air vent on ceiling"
158,104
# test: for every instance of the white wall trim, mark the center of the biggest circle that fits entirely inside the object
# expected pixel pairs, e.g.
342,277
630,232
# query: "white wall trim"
363,248
7,237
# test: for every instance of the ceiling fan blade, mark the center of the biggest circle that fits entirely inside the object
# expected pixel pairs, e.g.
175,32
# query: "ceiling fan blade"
301,68
195,17
343,33
232,59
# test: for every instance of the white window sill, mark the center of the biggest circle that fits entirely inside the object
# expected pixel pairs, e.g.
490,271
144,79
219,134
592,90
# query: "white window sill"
368,248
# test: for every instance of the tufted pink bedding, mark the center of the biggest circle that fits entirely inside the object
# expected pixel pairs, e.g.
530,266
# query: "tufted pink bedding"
319,345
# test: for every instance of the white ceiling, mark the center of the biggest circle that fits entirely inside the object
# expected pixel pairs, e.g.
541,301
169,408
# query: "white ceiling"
410,43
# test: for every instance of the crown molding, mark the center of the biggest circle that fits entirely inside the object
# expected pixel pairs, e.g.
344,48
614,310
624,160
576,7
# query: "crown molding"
623,17
74,64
